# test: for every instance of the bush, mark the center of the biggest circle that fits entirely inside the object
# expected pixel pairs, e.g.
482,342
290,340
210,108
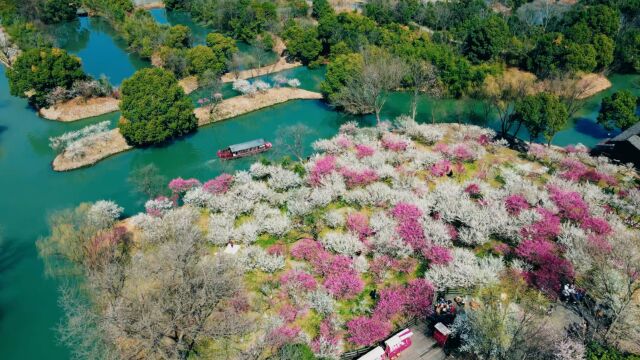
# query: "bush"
178,36
222,45
154,108
202,58
596,351
294,351
40,71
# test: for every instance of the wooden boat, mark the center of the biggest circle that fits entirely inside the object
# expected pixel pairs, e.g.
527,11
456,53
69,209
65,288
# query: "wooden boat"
244,149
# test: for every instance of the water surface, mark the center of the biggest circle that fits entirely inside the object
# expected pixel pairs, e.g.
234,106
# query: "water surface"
98,45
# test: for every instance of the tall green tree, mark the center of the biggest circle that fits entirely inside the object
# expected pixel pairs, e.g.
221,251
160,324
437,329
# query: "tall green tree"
343,70
154,108
619,110
38,71
604,48
55,11
303,43
202,58
628,50
541,114
580,58
178,36
486,39
223,46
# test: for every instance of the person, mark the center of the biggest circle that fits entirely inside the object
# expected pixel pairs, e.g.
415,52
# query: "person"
572,294
566,292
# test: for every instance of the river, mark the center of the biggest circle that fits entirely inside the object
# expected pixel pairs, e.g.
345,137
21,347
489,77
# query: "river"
28,309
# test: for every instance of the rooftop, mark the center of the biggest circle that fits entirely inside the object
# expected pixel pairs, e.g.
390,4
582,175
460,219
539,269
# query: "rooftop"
634,130
246,145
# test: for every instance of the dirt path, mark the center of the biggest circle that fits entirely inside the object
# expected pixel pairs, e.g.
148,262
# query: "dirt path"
229,108
78,109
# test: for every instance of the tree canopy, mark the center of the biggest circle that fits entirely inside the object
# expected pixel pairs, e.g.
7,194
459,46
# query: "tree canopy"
487,39
154,108
541,114
38,71
619,110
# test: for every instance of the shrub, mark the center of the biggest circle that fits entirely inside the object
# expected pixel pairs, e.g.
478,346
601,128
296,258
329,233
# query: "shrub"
154,108
294,351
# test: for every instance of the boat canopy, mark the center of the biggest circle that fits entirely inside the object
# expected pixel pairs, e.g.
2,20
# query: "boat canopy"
247,145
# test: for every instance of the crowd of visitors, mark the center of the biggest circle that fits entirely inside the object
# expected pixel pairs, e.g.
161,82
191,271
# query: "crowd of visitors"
570,293
446,310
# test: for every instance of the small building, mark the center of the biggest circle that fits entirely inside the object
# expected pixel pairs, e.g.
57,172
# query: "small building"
625,147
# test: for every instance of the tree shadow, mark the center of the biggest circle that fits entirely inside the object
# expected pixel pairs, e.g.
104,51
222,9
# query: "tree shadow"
593,129
11,254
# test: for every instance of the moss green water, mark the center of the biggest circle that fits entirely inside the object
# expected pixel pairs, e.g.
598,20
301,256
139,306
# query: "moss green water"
28,310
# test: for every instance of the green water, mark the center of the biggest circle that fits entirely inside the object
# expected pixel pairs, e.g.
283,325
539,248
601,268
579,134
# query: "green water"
28,309
101,50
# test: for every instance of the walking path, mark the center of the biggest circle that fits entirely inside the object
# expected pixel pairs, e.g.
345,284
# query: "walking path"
423,347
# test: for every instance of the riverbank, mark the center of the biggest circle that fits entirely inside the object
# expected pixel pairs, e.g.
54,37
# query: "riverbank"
241,105
78,109
115,143
153,5
280,65
9,51
112,144
189,84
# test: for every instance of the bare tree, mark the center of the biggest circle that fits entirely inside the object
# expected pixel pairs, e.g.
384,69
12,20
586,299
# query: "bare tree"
501,91
424,80
507,324
292,140
155,303
572,91
381,73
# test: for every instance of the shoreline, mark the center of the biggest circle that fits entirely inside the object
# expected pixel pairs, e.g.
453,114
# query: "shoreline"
79,109
280,65
113,145
241,105
153,5
227,109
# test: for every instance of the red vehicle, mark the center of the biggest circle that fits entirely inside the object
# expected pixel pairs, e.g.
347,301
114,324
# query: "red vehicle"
398,343
244,149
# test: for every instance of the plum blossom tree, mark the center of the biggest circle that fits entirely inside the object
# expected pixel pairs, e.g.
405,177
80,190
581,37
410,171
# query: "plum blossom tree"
465,270
342,243
364,331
